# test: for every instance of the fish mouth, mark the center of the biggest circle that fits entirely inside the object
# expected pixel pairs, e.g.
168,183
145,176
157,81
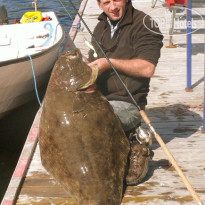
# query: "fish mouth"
89,89
89,86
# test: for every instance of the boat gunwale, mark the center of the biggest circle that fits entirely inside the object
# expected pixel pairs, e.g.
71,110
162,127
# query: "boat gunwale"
36,55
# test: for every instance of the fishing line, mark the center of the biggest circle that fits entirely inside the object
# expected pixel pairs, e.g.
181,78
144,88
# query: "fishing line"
66,10
56,30
32,66
77,26
146,119
108,60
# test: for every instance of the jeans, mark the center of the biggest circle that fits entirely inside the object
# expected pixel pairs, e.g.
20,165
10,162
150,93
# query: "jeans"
127,113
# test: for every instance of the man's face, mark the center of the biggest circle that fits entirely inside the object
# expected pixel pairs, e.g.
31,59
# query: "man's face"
114,9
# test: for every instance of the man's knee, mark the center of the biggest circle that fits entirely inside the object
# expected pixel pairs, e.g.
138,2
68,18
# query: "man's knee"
127,113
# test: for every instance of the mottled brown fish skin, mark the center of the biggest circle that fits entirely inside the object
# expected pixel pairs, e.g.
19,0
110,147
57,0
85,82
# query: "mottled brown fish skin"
82,143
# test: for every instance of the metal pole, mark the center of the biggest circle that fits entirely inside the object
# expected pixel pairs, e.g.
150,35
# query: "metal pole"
172,26
203,126
154,3
189,45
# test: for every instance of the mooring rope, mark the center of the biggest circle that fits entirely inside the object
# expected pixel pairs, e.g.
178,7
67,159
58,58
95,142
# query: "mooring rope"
34,78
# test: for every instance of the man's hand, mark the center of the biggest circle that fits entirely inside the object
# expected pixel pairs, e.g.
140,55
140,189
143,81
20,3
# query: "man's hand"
101,63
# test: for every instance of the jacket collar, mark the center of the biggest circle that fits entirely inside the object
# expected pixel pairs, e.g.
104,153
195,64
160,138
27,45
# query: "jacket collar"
128,18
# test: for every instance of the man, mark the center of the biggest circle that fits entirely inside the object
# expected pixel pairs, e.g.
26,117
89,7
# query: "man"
134,51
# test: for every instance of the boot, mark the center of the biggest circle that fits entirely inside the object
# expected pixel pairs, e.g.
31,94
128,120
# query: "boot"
138,163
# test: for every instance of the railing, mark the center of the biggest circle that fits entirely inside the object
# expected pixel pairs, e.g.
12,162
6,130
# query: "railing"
188,31
189,51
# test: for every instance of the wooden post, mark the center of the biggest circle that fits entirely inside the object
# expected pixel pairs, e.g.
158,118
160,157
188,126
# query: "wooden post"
35,3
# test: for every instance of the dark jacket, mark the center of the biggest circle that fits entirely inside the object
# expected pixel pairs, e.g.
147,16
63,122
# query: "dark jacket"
132,40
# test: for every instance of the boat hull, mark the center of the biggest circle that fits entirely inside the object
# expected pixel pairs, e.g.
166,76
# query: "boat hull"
17,82
16,75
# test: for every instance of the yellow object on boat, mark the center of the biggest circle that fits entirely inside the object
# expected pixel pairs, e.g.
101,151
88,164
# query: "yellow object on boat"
32,16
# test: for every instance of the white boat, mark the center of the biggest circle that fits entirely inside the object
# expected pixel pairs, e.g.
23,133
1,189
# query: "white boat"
23,46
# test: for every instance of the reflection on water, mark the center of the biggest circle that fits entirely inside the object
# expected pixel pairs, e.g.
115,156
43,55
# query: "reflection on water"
63,9
15,126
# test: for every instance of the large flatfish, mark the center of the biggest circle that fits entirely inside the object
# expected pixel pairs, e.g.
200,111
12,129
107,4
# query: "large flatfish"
82,143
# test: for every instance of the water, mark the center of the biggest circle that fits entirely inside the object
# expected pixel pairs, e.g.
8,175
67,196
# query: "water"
15,126
63,9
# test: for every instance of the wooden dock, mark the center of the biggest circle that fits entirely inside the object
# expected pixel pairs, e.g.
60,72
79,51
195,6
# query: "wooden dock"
176,115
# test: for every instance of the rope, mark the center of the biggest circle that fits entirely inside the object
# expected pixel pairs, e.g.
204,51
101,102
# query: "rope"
34,78
50,34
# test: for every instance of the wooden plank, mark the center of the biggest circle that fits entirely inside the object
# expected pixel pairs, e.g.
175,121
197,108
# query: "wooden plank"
22,164
30,144
176,115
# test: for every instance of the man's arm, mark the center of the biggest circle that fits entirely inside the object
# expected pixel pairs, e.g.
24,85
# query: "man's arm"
133,67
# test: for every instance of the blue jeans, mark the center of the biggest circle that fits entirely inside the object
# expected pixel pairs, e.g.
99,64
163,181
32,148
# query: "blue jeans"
127,113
